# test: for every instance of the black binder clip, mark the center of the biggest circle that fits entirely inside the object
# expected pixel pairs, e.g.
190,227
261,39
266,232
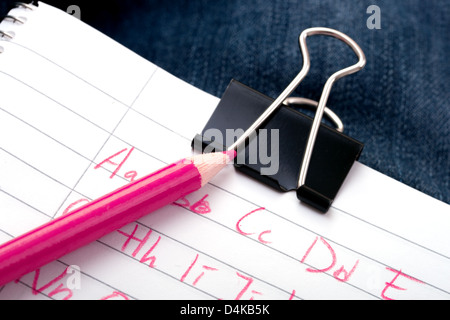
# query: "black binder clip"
314,159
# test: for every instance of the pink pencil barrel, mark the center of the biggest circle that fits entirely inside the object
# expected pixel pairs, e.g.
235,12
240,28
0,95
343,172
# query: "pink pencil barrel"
96,219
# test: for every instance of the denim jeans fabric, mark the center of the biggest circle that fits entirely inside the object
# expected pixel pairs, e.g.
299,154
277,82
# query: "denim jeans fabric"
398,105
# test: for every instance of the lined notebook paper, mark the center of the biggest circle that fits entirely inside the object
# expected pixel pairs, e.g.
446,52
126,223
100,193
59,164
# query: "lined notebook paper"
80,115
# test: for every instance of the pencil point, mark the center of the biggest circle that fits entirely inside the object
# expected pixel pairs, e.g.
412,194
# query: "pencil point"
209,164
231,154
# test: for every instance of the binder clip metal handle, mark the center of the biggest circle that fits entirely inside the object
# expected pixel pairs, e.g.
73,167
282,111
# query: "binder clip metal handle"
316,182
323,99
327,88
333,117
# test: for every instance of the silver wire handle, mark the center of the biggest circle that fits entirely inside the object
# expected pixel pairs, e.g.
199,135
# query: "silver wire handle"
327,88
333,117
295,83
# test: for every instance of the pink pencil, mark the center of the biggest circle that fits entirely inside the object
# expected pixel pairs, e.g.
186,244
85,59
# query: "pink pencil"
107,214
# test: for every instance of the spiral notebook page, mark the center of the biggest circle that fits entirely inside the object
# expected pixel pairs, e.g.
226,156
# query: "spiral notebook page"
81,115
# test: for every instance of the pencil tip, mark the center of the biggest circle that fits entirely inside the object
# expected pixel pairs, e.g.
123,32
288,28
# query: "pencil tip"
231,154
209,164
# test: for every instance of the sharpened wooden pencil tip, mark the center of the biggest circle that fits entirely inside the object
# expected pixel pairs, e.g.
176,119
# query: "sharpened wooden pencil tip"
210,164
231,154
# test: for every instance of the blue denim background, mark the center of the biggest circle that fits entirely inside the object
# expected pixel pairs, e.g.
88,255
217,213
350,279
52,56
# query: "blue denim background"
398,105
